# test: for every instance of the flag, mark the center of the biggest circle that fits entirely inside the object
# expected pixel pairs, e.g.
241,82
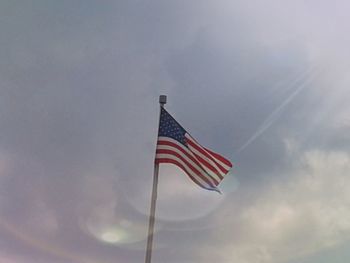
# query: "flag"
176,146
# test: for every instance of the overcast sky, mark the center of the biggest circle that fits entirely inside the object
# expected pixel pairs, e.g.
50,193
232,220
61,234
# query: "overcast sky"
264,83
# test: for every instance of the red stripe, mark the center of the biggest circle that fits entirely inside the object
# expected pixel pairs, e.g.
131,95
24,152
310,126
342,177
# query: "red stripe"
167,160
209,166
201,175
202,151
219,157
167,143
197,159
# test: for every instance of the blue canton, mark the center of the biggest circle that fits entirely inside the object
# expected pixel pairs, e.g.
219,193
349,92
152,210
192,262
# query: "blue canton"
169,127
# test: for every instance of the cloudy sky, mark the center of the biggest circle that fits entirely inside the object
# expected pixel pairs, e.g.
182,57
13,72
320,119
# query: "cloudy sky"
265,83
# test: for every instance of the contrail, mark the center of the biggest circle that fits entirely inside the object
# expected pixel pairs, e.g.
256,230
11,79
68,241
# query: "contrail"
276,113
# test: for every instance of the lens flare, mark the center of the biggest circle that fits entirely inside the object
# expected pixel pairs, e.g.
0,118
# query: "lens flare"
179,199
113,236
117,232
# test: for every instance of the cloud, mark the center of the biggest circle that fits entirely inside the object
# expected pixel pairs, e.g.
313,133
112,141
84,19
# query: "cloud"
299,215
78,101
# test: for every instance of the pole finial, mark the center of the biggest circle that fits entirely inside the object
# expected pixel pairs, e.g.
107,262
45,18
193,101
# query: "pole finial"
162,100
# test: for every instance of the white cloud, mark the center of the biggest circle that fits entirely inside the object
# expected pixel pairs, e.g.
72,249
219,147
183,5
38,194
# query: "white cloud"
295,217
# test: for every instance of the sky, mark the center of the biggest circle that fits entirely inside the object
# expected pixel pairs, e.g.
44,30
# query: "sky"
264,83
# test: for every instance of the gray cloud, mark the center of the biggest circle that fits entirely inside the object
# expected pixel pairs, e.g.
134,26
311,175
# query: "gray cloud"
78,115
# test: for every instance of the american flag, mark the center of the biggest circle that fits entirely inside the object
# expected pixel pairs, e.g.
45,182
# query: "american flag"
176,146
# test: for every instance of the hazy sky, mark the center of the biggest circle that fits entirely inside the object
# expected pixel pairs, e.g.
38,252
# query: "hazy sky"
265,83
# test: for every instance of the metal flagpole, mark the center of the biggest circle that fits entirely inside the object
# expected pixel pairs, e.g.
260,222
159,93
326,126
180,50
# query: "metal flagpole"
162,102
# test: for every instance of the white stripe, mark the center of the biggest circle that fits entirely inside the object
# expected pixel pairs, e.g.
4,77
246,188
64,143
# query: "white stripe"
195,151
188,169
225,166
168,139
201,169
203,166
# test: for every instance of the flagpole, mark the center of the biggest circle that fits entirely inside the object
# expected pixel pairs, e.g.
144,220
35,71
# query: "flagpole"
162,102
